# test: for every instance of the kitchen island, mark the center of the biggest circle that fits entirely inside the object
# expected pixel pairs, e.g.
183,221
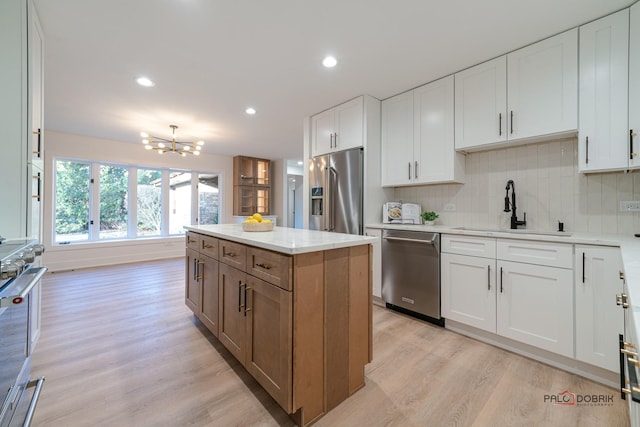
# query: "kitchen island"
293,306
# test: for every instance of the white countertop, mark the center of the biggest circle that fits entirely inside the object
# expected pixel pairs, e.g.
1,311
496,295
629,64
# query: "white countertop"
286,240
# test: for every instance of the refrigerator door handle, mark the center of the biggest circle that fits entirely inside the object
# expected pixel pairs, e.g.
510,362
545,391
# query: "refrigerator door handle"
325,196
331,197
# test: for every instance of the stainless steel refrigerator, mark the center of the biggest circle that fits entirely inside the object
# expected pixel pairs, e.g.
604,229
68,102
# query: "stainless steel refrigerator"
336,182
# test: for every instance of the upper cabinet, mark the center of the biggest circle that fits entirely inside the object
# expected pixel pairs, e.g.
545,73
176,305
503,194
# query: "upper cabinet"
634,87
417,137
527,95
20,115
338,128
251,186
604,137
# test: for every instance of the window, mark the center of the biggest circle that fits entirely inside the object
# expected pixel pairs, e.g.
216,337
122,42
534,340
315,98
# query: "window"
149,204
114,212
72,182
100,201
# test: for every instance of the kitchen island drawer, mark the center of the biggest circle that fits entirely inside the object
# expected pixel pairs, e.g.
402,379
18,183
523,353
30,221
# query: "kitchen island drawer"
540,253
233,254
209,246
484,247
192,240
270,266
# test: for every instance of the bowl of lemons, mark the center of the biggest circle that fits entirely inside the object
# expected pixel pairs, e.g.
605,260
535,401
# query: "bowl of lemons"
255,222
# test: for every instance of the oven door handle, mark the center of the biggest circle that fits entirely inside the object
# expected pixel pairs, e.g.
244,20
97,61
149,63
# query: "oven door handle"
12,298
37,383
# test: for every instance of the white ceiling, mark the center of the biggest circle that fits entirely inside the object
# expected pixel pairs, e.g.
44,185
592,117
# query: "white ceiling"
210,59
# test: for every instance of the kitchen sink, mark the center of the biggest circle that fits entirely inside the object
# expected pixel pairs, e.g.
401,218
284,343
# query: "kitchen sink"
518,231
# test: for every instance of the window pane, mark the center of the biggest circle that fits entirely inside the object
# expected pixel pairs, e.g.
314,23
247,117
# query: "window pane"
113,201
179,201
207,199
72,201
149,202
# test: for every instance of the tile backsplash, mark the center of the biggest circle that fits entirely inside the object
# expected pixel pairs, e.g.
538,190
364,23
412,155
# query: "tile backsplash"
548,188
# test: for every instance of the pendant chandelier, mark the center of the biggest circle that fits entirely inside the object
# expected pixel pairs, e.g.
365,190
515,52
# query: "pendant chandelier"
163,145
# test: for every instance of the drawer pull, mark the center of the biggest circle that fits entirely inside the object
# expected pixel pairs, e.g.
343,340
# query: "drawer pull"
621,300
633,360
628,352
230,254
207,246
265,266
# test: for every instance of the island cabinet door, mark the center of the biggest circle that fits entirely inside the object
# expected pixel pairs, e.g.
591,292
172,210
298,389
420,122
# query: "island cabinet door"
209,297
269,339
192,281
232,317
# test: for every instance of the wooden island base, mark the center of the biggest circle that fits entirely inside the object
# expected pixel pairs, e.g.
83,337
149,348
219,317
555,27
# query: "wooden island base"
301,324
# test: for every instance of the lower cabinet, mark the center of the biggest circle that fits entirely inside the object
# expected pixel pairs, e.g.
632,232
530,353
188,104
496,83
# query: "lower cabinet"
553,296
535,305
469,290
201,280
269,338
599,320
377,260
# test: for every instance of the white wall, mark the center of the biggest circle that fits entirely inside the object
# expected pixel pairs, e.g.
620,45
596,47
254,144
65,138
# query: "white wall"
81,255
548,188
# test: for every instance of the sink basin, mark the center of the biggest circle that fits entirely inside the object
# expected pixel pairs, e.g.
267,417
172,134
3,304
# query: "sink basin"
519,231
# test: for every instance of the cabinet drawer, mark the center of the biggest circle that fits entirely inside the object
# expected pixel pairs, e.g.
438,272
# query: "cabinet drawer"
234,254
540,253
469,245
270,266
209,246
193,240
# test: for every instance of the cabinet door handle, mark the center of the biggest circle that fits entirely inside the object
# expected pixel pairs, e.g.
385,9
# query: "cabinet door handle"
331,140
632,154
623,379
37,196
195,269
265,266
415,170
246,288
409,171
586,160
198,264
240,296
511,122
489,277
583,263
501,288
39,148
499,124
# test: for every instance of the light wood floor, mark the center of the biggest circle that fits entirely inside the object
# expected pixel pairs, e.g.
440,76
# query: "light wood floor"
120,348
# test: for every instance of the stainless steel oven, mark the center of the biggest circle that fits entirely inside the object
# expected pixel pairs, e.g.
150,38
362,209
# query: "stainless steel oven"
17,279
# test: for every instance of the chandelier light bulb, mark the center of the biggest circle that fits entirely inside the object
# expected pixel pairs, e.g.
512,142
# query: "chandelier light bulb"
148,147
144,134
197,153
161,145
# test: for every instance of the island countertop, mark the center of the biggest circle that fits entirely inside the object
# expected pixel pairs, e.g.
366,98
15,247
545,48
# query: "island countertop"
285,240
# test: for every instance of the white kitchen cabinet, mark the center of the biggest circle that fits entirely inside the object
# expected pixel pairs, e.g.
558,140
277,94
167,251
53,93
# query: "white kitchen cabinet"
377,260
397,139
527,95
469,290
634,86
418,137
599,320
603,139
480,104
518,289
535,305
339,128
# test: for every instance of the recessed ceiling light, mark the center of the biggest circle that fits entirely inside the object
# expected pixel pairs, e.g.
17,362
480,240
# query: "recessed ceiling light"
251,111
144,81
329,62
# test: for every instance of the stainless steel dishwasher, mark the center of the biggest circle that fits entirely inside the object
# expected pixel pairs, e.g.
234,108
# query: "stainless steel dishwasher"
411,273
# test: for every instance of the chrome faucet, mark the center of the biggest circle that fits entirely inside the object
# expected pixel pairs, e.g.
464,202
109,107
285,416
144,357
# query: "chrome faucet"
511,207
